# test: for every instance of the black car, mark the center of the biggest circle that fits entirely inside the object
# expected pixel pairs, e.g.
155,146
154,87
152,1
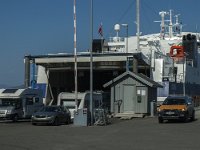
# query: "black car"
54,115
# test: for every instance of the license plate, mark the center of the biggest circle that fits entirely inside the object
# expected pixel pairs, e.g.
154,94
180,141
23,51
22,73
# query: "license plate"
170,113
2,115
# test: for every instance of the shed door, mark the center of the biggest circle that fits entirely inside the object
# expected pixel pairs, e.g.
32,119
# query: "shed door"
128,98
141,101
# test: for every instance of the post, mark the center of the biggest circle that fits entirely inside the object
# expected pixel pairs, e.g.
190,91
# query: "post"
91,64
184,61
127,39
170,24
153,108
138,24
75,61
33,81
126,26
135,65
27,71
127,63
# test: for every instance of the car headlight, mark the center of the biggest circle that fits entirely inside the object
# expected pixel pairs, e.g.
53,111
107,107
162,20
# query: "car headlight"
8,111
184,109
49,116
158,109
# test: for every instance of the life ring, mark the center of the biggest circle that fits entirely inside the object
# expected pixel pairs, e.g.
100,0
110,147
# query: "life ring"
177,51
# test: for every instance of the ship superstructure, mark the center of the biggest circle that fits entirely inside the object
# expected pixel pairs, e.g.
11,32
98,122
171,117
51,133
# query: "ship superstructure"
170,57
173,56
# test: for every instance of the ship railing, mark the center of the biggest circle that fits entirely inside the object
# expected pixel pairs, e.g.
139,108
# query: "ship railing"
116,39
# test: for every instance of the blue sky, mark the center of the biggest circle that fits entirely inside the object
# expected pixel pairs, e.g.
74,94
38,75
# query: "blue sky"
46,26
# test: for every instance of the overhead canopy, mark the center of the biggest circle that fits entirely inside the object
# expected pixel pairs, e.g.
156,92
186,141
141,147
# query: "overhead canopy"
64,60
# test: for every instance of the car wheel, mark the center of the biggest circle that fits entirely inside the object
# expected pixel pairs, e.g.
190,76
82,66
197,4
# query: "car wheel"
56,122
193,116
160,120
68,121
15,118
34,123
185,119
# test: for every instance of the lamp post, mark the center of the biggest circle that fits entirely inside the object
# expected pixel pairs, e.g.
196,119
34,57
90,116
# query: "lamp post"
127,61
126,26
75,61
138,24
91,62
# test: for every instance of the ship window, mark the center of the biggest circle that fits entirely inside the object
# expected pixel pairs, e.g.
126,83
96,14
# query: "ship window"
37,100
29,101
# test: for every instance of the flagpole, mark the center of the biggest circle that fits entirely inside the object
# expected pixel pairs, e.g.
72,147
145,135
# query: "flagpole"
138,24
75,61
101,34
91,64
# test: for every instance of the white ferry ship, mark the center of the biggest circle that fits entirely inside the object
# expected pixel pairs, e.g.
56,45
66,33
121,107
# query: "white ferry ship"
170,57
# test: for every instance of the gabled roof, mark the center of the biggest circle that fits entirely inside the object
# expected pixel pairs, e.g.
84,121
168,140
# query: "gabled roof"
142,78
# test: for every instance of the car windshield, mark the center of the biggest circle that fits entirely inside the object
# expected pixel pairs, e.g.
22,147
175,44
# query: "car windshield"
50,109
174,101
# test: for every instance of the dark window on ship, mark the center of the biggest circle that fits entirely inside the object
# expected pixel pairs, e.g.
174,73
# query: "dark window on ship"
37,100
29,101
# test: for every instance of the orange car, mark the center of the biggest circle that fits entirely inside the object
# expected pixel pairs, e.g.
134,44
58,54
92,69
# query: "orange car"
176,107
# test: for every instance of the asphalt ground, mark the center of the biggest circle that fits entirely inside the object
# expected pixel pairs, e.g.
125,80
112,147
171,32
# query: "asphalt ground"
135,134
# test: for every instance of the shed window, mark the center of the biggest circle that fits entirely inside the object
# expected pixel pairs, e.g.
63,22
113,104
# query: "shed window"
140,93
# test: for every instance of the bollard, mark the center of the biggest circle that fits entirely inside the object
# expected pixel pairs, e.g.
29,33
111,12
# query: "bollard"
152,108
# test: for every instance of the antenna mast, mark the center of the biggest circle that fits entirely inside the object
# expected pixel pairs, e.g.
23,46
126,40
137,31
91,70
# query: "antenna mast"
170,24
138,24
162,25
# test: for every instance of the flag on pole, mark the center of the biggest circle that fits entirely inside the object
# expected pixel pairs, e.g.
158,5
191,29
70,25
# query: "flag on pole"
100,31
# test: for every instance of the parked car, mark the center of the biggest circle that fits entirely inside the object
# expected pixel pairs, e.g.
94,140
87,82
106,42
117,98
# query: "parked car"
54,115
176,107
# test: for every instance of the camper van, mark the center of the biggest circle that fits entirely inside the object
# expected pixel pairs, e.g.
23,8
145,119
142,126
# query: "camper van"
19,103
68,100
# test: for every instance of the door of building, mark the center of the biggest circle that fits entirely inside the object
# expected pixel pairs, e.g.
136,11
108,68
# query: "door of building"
128,97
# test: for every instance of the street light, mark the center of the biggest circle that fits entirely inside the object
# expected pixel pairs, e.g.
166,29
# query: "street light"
127,61
126,26
91,63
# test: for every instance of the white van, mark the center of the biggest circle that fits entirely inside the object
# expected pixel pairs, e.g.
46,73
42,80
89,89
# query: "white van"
68,100
19,103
